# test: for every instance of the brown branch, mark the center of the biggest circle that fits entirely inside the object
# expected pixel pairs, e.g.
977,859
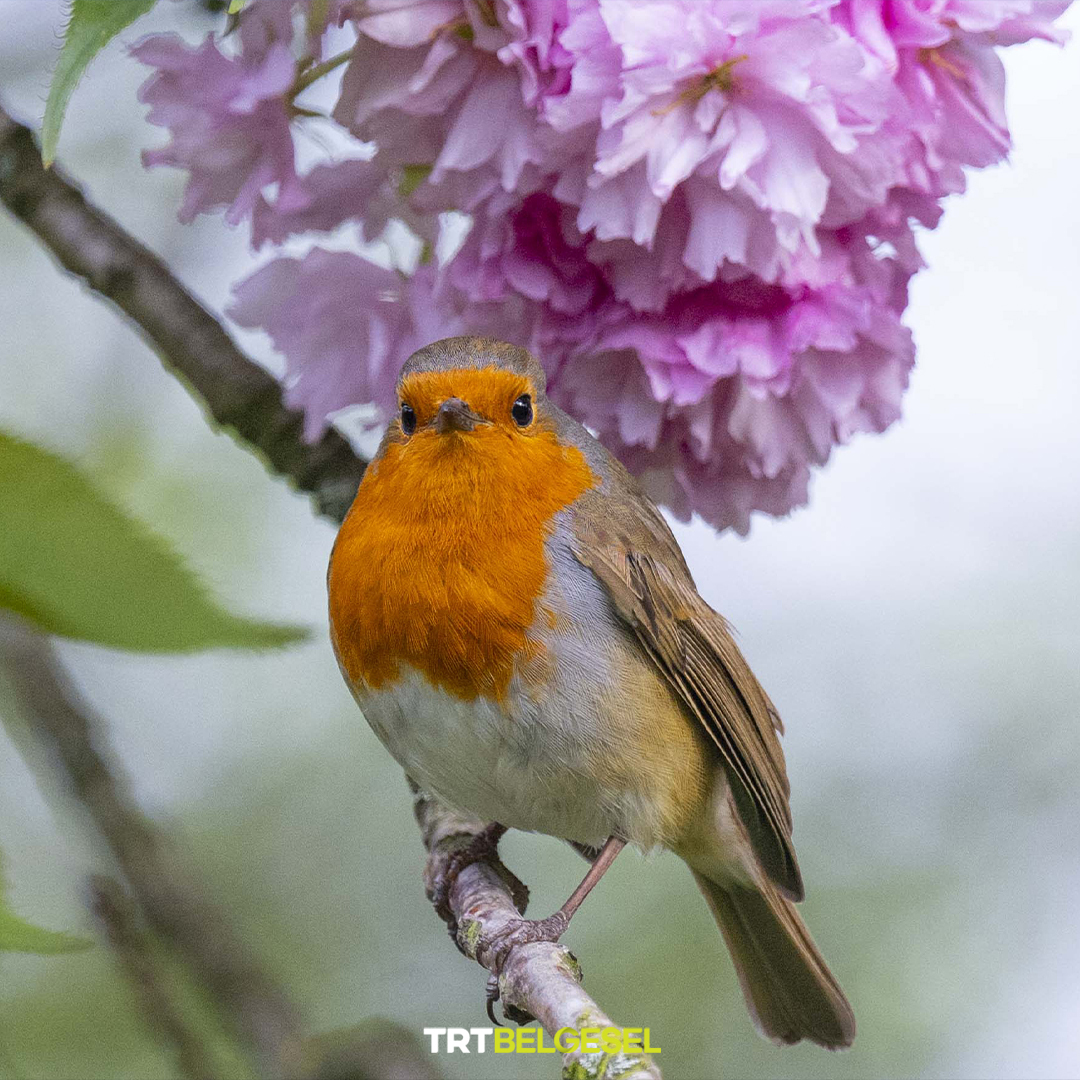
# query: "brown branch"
540,980
257,1011
191,342
116,914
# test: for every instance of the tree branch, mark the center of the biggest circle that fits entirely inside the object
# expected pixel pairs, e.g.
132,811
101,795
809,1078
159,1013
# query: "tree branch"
116,914
263,1019
539,980
192,344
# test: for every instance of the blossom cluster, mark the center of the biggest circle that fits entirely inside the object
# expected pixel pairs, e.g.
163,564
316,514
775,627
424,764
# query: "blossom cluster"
700,215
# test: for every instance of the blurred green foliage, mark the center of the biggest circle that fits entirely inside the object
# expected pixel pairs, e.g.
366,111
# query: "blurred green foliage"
76,565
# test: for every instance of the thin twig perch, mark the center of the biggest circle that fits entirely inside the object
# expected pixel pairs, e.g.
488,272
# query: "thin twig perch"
540,980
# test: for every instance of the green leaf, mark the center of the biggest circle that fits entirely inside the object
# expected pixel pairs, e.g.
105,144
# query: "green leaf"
17,935
78,566
91,26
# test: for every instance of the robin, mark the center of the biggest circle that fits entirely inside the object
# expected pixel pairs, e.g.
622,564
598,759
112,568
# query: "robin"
518,625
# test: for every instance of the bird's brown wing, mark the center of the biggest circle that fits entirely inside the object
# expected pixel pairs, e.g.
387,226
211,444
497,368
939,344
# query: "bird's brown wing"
634,555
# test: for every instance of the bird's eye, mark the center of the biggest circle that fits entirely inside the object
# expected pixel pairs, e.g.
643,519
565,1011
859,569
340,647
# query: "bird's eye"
408,419
522,411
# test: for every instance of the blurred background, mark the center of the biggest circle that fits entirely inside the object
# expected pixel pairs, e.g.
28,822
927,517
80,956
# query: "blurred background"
918,626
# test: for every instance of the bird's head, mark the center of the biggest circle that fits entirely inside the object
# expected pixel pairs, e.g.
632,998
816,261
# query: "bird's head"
462,392
476,444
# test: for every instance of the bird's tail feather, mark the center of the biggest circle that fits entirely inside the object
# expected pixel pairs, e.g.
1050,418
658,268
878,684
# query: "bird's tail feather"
789,989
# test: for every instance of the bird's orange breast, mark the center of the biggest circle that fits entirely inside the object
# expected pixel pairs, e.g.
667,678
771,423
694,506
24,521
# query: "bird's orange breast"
440,561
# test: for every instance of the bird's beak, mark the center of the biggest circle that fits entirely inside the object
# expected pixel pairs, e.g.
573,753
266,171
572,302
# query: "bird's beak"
455,415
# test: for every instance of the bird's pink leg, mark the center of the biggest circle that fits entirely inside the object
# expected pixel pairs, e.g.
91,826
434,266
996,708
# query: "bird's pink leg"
525,931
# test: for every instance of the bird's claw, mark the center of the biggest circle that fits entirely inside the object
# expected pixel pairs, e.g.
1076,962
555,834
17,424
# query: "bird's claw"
484,846
510,1012
491,995
495,950
496,947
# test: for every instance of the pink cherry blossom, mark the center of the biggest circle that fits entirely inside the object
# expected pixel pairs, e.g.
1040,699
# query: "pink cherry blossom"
227,115
701,215
941,55
752,379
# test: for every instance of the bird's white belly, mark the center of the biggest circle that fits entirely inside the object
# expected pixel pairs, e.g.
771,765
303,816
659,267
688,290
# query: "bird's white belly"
480,758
